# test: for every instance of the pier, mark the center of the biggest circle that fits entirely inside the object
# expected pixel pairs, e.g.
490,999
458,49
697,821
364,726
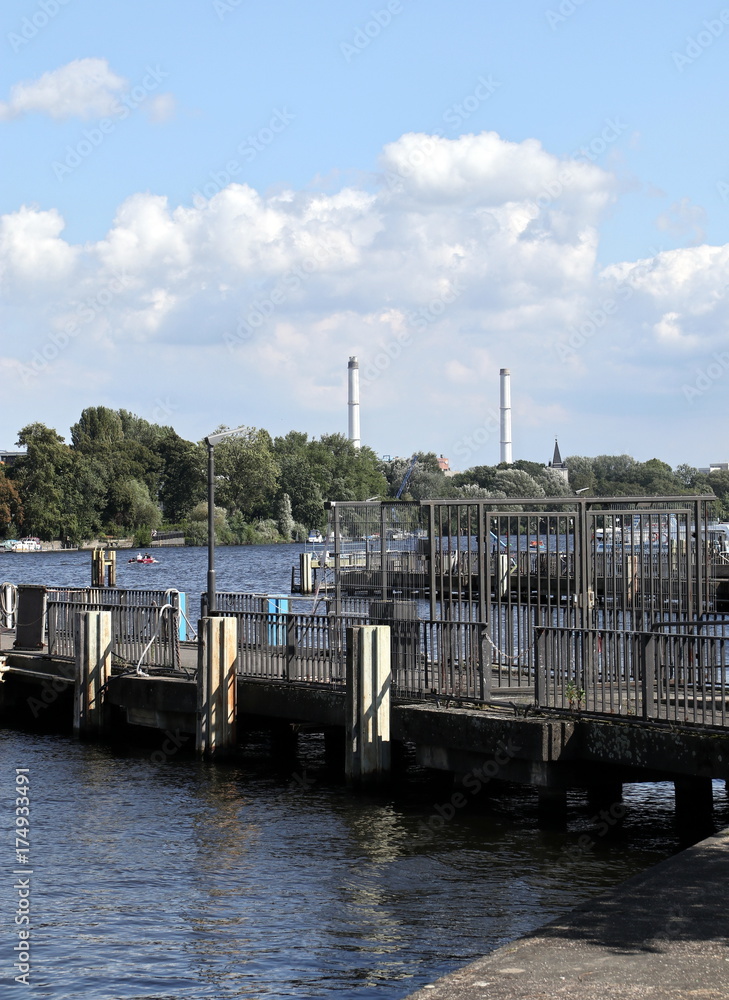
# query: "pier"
505,651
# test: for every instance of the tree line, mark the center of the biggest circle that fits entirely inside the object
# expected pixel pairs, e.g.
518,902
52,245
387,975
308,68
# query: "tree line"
121,475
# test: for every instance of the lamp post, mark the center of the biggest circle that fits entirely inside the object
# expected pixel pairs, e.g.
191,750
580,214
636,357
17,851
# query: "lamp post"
211,440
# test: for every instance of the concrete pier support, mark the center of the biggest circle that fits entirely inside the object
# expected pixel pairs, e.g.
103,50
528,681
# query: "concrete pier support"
604,795
306,573
552,809
368,704
216,686
93,670
694,806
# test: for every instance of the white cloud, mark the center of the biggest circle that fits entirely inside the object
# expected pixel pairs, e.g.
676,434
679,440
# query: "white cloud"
481,254
84,88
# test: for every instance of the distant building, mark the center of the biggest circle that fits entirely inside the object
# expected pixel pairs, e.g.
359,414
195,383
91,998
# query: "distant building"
10,457
557,465
715,467
444,464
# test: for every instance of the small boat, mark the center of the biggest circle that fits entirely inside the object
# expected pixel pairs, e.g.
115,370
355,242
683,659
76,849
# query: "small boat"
315,538
144,560
27,544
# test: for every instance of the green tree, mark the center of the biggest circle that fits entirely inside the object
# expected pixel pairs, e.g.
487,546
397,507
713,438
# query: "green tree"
11,507
247,474
183,475
98,428
285,517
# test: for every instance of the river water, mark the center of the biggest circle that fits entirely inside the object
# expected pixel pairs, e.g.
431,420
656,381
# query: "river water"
159,877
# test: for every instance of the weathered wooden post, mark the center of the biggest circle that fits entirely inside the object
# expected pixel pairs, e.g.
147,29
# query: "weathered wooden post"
216,686
368,704
101,560
93,669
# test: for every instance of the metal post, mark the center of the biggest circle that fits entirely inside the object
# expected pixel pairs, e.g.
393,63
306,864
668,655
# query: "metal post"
211,602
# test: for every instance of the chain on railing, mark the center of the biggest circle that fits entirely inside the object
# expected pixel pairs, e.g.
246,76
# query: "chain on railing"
146,634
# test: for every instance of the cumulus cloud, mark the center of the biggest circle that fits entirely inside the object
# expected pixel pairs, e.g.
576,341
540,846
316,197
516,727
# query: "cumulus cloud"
684,220
84,88
472,254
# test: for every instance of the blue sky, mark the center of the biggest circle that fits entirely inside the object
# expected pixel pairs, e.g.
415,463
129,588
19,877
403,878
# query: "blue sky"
207,207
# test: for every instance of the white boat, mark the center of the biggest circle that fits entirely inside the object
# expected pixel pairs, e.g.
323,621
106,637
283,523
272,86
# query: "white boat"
315,538
26,545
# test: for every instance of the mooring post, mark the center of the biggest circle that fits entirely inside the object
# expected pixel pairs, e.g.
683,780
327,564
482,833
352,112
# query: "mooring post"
306,573
216,686
93,670
551,809
368,704
694,806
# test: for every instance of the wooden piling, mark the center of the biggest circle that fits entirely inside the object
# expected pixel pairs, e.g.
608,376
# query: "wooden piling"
216,686
368,704
93,670
101,561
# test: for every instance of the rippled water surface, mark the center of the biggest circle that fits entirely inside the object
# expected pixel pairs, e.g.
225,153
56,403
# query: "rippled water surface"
265,877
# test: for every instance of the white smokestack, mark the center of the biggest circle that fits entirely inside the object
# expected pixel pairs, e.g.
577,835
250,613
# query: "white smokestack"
353,372
505,377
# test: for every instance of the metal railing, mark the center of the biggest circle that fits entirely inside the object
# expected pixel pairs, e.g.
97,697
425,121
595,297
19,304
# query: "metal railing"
143,634
678,672
428,659
294,647
109,596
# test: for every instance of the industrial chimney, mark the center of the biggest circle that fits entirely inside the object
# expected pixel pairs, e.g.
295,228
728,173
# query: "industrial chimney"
353,372
505,377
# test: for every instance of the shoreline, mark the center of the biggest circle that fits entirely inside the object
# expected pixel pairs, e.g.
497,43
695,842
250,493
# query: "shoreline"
661,934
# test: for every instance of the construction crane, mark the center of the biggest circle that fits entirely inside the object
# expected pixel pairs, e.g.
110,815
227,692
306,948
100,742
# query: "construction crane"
406,477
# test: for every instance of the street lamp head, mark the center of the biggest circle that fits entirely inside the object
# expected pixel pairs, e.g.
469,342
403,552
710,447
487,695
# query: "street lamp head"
213,439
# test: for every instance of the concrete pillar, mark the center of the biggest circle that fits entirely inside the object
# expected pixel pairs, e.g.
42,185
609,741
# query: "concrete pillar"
368,704
216,686
694,807
334,748
93,670
284,740
306,573
552,809
604,795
